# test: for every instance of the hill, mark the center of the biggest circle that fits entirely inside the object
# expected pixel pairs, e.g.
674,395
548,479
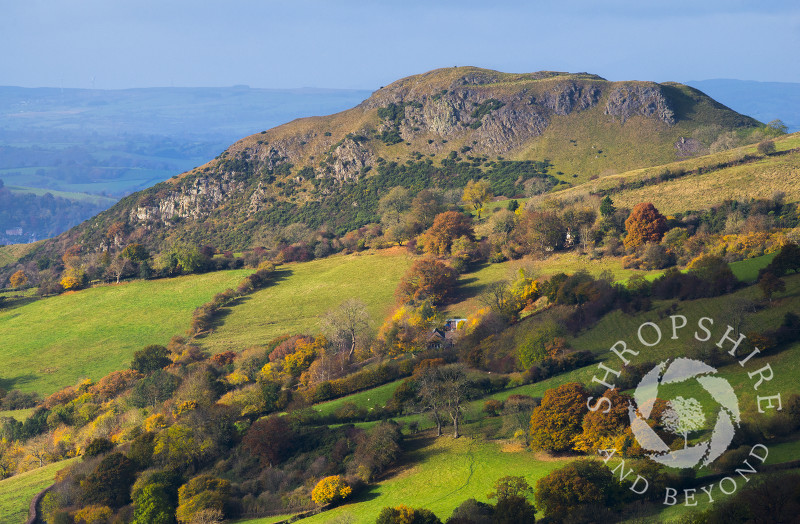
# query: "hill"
525,133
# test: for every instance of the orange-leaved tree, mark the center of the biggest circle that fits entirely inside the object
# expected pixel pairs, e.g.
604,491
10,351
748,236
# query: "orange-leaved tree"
18,279
446,227
644,224
558,419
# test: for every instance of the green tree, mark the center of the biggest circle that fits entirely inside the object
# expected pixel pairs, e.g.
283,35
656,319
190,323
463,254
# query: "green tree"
111,481
136,253
393,205
200,494
607,208
406,515
152,505
154,389
150,358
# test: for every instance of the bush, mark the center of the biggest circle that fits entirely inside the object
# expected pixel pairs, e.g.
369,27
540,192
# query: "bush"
330,489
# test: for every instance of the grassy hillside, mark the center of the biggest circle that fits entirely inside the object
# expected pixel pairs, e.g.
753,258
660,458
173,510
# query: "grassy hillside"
304,291
92,332
69,195
757,179
439,475
16,492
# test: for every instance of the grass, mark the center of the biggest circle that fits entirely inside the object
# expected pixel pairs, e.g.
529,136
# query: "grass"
377,396
19,414
95,331
439,474
747,270
16,492
307,290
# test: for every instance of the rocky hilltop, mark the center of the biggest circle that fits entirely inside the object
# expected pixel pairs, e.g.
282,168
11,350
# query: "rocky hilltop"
435,129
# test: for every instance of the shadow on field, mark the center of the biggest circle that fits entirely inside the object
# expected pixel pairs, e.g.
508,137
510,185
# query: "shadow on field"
8,384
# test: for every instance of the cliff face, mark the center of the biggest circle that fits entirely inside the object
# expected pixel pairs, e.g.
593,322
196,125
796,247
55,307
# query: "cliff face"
477,114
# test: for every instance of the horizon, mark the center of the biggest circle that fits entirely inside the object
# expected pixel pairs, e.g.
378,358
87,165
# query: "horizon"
345,45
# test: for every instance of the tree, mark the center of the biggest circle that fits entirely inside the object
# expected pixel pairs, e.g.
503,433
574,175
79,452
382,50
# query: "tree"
150,358
542,232
392,206
154,389
406,515
644,224
581,483
778,126
446,227
427,279
330,489
18,279
201,494
136,253
424,208
472,512
73,278
346,325
118,267
477,193
510,486
788,259
607,208
771,284
601,428
270,439
111,481
443,390
683,416
766,147
152,505
558,419
377,450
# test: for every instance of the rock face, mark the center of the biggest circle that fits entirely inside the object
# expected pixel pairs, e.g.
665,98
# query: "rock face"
647,100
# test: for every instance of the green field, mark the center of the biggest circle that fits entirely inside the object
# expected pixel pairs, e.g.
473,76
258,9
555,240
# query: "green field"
304,291
747,270
439,474
19,414
16,492
92,332
69,195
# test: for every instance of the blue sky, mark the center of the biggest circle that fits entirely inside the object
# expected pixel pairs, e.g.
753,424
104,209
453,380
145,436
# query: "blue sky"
115,44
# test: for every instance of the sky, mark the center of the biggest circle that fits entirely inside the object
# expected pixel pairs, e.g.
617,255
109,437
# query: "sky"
115,44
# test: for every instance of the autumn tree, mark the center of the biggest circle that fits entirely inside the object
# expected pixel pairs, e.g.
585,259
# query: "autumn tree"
406,515
477,193
604,425
330,489
270,439
770,284
541,232
446,227
424,208
202,494
644,224
558,419
407,329
346,325
377,449
427,279
579,485
18,279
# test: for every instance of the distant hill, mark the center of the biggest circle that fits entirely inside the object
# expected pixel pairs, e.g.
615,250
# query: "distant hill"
526,133
764,101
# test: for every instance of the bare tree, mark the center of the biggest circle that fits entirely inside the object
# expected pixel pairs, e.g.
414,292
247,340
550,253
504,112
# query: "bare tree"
443,390
118,267
346,325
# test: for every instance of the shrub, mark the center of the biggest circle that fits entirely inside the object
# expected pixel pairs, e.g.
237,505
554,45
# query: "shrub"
330,489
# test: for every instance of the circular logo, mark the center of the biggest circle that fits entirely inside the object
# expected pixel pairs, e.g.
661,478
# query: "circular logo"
684,415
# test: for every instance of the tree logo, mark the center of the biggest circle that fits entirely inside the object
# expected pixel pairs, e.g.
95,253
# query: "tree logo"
682,416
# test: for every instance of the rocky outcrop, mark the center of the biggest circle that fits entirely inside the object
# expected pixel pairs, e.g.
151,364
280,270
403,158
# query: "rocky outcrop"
194,199
347,160
627,100
570,96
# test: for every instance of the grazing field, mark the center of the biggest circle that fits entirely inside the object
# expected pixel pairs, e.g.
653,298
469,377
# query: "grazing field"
304,291
747,270
19,414
16,492
439,474
11,253
92,332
